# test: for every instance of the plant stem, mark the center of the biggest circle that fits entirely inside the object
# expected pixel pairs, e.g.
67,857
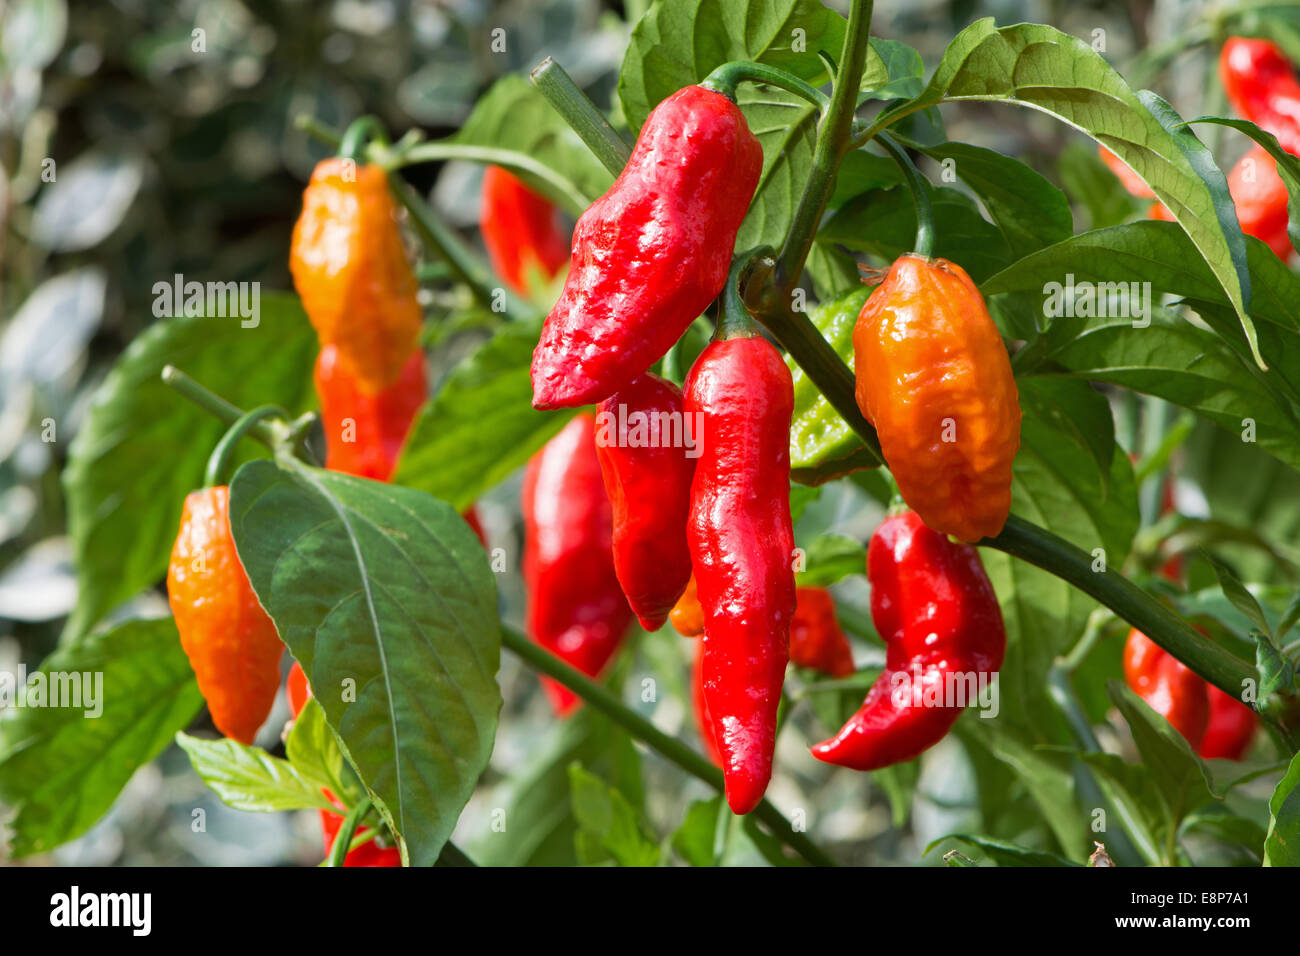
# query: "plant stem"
465,265
242,426
581,114
343,839
724,79
832,140
920,189
560,188
669,748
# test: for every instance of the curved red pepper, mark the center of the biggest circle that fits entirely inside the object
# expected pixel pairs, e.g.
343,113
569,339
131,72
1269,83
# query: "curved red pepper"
1230,728
641,441
1168,686
702,722
524,242
575,606
652,253
816,640
1262,86
742,544
364,432
935,608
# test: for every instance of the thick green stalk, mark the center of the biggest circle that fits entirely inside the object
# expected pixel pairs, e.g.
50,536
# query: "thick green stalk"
920,189
832,141
582,115
671,749
724,79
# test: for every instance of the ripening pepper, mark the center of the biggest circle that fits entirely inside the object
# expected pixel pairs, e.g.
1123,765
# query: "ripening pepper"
1260,198
642,445
350,269
576,608
524,241
934,607
934,379
298,690
742,544
364,432
652,253
1168,686
231,642
816,640
702,722
1230,728
687,616
1262,86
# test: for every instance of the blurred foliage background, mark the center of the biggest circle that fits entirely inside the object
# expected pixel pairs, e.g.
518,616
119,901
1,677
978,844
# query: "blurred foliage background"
139,140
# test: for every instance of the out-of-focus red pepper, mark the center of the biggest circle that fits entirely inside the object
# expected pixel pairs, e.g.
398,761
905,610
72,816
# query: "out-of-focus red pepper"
576,608
816,640
1262,86
1168,686
524,241
1230,729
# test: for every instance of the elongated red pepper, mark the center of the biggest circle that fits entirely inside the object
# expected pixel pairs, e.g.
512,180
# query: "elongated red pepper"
575,606
1261,85
642,440
742,544
935,608
520,230
364,432
816,640
652,253
701,709
1170,688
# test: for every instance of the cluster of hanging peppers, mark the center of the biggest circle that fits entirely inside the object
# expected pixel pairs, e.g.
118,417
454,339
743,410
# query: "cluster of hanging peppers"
1262,87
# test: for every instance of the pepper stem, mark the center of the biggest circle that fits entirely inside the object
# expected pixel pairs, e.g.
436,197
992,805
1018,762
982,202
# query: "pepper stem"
343,839
734,320
920,189
724,79
581,114
221,454
361,131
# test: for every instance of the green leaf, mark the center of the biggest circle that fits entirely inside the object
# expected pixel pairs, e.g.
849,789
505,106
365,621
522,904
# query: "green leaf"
822,445
1029,211
384,594
1086,179
249,778
606,820
314,750
1236,592
1072,408
831,558
142,447
481,425
1282,845
1289,617
1139,804
679,43
1276,672
1007,854
1179,775
1042,68
515,118
883,223
696,839
894,71
62,771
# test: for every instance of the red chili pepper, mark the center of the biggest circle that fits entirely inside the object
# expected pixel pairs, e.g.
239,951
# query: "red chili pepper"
1230,728
642,444
935,608
742,543
364,432
369,853
575,606
524,241
816,640
1261,85
702,721
652,253
1168,686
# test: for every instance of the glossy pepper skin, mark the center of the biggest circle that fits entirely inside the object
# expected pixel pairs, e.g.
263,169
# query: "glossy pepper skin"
1168,686
1260,198
576,608
1262,86
231,642
369,853
935,380
364,432
816,640
641,444
935,608
741,543
702,722
350,269
687,616
1230,728
652,253
524,241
